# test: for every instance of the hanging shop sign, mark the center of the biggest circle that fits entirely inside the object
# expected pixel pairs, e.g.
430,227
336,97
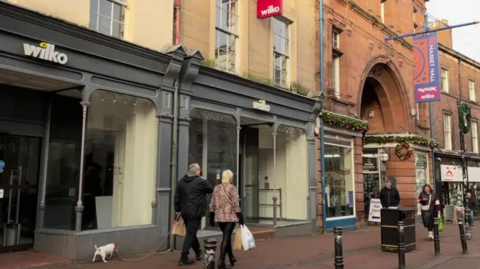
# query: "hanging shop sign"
473,174
269,8
261,105
369,164
426,68
45,51
451,173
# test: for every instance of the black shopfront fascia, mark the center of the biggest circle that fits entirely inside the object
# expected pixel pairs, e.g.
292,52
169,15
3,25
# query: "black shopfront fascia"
95,62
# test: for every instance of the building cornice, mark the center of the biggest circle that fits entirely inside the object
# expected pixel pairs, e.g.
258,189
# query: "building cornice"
458,55
230,77
66,27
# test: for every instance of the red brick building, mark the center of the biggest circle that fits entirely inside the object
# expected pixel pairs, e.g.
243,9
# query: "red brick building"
369,80
460,77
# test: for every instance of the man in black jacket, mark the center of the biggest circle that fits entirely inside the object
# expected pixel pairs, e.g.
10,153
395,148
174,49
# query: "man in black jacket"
389,196
191,203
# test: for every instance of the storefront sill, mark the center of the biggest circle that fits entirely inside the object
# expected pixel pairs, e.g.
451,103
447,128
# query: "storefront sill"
347,223
117,229
55,232
340,218
90,232
295,223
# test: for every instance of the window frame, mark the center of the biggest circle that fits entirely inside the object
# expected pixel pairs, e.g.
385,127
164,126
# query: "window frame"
231,35
475,148
447,79
286,57
352,157
382,10
472,93
447,130
122,23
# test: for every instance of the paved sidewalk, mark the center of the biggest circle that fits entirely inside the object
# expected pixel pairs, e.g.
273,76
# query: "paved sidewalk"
361,251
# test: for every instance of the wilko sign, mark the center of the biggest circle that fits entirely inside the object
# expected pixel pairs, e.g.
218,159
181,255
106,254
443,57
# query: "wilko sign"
426,68
269,8
45,51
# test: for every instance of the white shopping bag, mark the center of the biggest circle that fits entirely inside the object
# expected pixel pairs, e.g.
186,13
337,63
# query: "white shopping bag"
248,242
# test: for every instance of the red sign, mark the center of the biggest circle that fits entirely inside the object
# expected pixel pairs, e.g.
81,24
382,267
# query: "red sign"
269,8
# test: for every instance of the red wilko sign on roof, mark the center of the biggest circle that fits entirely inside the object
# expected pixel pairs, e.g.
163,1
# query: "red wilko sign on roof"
269,8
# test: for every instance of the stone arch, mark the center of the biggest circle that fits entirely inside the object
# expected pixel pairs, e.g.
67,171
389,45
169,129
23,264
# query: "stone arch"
391,91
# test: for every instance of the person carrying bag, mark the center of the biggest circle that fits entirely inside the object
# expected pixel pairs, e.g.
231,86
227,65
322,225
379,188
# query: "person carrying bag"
225,210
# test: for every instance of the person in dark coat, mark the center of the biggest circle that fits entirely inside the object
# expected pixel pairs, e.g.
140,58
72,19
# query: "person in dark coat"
389,196
190,201
430,205
472,205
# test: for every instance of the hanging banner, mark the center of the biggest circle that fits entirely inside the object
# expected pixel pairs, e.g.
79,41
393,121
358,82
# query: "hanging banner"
426,68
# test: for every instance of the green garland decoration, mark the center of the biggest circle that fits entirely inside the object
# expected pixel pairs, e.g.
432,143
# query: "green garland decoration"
464,117
403,155
348,123
413,139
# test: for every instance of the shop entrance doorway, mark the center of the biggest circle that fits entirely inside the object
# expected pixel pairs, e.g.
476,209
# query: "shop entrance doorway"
20,158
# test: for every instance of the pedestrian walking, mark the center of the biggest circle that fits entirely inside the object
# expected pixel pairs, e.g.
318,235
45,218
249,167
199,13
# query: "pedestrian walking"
472,205
389,195
430,205
225,209
190,202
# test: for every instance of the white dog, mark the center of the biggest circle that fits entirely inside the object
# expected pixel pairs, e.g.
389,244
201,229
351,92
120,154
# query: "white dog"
105,251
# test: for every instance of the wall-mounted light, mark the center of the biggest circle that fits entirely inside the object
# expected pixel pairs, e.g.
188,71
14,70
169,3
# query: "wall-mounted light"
384,156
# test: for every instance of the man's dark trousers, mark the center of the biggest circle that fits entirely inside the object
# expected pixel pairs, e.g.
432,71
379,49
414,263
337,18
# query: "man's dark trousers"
191,240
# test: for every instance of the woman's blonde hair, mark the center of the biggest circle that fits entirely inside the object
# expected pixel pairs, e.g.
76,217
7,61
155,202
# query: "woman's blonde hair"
227,176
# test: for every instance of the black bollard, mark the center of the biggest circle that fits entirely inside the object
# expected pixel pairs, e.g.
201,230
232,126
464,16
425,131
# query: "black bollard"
401,245
463,238
210,245
468,224
436,237
337,231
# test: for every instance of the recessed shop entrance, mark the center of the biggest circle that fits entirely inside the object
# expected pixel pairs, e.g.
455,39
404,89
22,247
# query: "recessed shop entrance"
20,158
24,101
258,155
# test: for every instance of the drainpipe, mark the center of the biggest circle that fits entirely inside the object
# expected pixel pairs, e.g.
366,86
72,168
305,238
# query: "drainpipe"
173,163
322,133
177,21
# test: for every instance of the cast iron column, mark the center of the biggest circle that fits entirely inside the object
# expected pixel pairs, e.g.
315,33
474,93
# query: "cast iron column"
274,197
44,168
337,231
210,246
79,207
401,245
463,239
436,237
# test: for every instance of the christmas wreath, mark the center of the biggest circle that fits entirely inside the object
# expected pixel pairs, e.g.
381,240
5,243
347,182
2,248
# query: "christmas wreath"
403,155
465,117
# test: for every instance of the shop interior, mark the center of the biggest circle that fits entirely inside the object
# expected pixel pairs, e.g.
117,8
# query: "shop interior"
374,173
261,173
24,102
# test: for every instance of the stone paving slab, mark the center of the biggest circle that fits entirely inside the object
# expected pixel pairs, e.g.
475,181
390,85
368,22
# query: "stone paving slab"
361,251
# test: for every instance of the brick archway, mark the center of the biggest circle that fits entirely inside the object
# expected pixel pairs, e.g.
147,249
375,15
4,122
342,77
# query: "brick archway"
382,79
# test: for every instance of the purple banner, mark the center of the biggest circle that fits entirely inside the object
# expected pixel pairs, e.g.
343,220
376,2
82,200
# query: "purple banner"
426,68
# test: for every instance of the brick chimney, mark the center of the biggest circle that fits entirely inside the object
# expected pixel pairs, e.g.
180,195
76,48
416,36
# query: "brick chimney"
444,36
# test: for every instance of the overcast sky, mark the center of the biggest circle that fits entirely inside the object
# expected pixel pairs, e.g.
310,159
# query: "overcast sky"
465,39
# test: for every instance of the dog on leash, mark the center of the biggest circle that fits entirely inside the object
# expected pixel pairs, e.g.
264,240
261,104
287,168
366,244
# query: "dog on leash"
106,251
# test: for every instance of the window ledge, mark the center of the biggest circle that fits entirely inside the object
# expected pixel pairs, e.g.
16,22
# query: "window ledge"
337,51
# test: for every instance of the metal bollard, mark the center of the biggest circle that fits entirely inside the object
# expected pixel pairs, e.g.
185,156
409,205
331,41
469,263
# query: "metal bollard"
337,231
463,238
210,246
401,245
468,224
436,237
